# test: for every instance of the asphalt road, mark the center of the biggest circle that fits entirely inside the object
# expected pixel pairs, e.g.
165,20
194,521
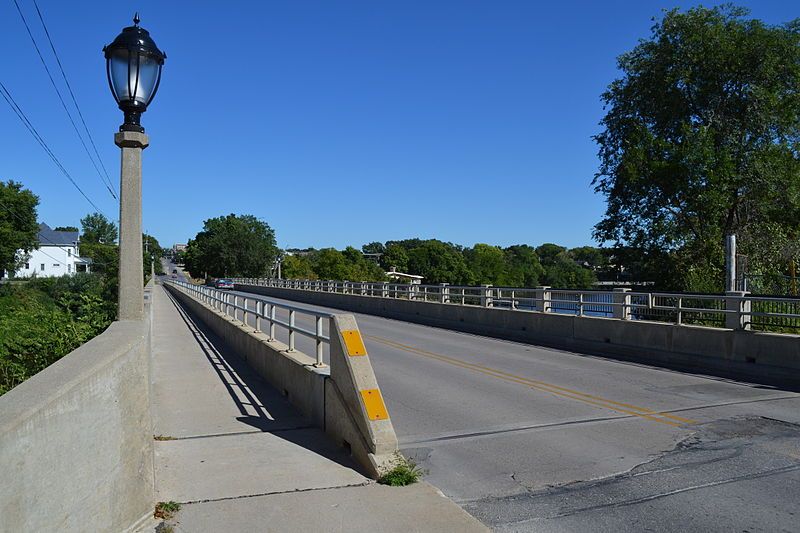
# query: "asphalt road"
534,439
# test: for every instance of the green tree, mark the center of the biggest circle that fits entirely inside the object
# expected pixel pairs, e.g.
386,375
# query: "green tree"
561,269
395,256
439,262
97,228
330,263
18,226
232,245
151,251
66,228
297,267
373,248
701,140
524,267
487,264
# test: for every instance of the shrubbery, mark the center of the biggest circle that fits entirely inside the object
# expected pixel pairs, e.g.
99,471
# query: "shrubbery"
42,320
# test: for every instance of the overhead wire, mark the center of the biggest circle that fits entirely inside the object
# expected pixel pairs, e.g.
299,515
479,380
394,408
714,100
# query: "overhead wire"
61,99
74,100
32,129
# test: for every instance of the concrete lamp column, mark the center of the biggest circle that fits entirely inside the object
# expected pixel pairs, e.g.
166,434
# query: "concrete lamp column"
131,284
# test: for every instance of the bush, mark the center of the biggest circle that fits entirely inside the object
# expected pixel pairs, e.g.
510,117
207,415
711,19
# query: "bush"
45,319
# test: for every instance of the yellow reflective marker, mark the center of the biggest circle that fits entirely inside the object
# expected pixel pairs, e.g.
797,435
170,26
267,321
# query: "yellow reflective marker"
373,401
354,343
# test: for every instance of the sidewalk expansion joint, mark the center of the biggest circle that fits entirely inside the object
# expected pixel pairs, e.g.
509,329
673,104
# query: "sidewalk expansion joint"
235,433
274,493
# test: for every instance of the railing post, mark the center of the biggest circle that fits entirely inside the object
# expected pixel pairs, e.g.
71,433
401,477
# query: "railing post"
319,342
739,317
622,304
259,312
244,310
487,293
385,289
271,322
412,292
542,295
291,330
444,293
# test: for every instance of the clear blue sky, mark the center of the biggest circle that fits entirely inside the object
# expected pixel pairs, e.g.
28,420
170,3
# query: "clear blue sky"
338,123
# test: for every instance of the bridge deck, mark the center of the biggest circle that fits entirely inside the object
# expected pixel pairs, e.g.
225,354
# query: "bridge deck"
498,424
239,457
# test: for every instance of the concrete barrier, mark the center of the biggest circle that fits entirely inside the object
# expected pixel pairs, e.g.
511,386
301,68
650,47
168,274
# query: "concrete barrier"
771,358
76,439
343,399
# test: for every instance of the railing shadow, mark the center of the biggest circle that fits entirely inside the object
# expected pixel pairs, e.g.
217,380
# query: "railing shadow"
269,410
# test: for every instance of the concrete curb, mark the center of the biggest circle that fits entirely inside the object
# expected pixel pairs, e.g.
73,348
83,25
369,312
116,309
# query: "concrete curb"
335,403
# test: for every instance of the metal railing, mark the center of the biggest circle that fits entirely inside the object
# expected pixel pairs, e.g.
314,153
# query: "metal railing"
735,310
237,307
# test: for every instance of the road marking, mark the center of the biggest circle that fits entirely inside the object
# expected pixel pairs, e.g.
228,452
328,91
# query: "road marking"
642,412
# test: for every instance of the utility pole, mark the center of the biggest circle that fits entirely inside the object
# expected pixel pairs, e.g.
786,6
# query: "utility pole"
730,263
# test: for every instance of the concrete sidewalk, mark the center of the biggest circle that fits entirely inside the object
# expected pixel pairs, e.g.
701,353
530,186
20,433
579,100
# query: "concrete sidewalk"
238,457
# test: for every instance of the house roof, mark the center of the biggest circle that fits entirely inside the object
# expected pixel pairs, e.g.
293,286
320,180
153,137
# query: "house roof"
49,237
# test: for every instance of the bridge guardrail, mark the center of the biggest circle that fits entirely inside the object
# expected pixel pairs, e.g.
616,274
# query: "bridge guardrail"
734,310
236,307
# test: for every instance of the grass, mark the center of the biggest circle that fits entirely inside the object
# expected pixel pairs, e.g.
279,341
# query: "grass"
163,437
405,472
165,510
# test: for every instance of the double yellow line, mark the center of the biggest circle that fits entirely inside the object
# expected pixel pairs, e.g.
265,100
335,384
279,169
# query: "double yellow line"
642,412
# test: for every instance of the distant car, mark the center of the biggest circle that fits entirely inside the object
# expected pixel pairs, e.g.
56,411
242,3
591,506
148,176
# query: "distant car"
174,276
223,284
174,270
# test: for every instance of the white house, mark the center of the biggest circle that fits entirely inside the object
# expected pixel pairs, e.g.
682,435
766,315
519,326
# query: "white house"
56,255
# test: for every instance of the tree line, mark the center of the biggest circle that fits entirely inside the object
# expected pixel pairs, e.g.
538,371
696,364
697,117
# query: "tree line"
244,246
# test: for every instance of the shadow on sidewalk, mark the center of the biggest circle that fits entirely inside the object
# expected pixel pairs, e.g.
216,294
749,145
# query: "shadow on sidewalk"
261,406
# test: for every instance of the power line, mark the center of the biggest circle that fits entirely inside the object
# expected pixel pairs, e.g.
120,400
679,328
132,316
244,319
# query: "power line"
27,123
72,94
61,99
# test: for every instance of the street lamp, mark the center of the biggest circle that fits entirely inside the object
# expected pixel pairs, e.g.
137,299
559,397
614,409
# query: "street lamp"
133,67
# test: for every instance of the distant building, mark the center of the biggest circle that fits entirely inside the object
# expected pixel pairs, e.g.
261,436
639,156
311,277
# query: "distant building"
178,248
56,254
413,279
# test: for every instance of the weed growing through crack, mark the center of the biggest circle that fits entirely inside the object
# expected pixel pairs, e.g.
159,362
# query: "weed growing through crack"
405,472
165,510
163,437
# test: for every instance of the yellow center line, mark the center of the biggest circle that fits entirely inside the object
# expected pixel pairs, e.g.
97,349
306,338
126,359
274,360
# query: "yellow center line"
641,412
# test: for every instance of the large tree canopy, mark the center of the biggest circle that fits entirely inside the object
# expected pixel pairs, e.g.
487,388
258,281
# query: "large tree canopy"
701,140
97,228
232,246
18,226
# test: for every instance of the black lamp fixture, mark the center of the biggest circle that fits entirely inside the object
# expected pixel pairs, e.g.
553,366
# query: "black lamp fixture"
133,67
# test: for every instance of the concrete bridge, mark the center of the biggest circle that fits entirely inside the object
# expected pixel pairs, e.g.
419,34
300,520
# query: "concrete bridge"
245,407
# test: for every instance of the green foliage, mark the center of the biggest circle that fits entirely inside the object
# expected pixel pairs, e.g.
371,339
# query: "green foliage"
488,264
405,472
700,141
97,228
561,269
18,226
151,251
297,267
524,268
165,510
350,264
232,245
440,262
66,228
45,319
395,256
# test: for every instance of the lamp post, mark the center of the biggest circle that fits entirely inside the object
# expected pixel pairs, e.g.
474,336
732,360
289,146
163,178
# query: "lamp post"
133,67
